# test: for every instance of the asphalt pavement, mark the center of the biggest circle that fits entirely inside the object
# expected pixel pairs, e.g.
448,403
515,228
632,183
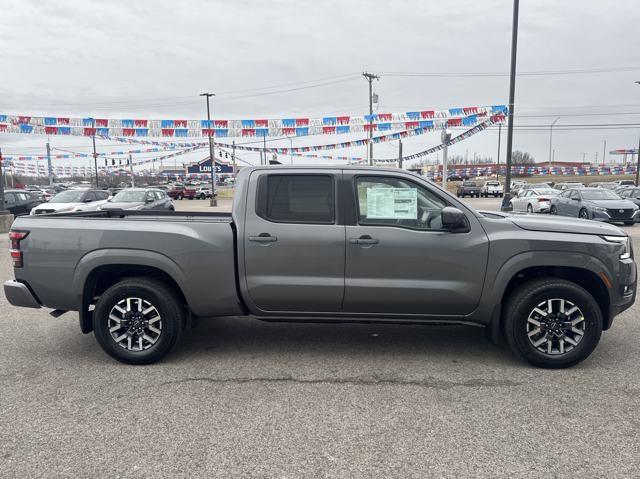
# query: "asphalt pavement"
244,398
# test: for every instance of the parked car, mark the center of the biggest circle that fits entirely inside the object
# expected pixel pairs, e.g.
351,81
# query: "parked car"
230,181
618,189
608,185
536,200
567,185
630,193
19,202
595,204
139,199
73,200
203,192
178,192
328,244
35,191
625,182
453,178
468,188
491,188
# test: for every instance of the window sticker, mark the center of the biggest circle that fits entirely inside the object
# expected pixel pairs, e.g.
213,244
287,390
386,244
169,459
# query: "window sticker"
392,203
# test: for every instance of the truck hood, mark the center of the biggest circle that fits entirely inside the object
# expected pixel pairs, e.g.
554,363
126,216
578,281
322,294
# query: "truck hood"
563,224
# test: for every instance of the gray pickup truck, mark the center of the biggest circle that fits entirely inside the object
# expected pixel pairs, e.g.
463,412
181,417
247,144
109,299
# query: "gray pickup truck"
348,244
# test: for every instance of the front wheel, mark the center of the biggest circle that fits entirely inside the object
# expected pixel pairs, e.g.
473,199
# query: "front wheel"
180,197
553,210
552,323
138,320
529,208
584,214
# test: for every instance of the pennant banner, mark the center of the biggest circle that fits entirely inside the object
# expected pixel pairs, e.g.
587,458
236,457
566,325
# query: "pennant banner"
85,155
326,125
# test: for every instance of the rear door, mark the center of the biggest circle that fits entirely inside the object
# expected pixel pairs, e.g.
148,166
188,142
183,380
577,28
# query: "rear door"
400,260
294,244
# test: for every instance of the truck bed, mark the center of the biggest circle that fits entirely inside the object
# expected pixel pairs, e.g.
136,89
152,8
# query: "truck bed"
195,249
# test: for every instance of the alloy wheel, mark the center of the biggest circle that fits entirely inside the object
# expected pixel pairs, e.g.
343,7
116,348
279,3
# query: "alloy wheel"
555,326
135,324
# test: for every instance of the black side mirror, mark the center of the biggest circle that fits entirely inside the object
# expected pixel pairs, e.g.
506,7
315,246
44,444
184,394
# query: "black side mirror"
149,200
453,219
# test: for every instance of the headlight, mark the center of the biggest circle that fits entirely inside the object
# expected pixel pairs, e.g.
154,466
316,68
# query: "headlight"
624,240
599,208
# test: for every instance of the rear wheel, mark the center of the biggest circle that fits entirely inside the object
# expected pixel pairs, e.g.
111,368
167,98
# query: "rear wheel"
584,214
529,208
552,323
180,197
553,210
138,321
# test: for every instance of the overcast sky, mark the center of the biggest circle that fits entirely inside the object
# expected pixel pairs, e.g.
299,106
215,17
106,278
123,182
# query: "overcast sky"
147,59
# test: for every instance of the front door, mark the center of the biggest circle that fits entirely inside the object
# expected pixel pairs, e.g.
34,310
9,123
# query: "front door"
294,248
400,260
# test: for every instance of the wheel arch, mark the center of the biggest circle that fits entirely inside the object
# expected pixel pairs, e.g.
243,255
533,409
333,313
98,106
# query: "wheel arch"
533,264
101,269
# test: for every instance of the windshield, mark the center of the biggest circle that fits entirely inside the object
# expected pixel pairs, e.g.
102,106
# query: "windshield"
599,194
69,196
130,196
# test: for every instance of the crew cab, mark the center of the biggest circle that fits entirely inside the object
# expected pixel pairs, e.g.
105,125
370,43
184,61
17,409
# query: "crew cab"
328,244
492,188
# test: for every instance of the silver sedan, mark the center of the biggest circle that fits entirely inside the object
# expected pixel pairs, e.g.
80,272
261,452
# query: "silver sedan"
535,200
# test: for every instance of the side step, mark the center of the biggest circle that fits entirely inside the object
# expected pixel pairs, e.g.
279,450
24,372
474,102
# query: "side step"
56,313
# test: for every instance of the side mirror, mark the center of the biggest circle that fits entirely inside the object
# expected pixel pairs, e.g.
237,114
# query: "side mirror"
575,199
149,200
453,218
88,200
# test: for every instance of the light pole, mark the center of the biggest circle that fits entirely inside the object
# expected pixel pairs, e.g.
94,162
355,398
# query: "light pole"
214,201
551,140
290,148
512,91
498,162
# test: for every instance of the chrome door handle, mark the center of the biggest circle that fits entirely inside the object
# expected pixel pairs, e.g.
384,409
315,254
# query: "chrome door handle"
263,238
363,240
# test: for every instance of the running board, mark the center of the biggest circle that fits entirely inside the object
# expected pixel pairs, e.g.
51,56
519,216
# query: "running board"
56,313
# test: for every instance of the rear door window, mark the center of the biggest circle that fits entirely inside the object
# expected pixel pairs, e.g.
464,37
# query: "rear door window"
297,199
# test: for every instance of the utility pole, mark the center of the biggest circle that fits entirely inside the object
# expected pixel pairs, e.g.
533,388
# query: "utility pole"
512,91
551,139
214,201
498,162
264,147
445,136
370,77
95,155
49,164
604,152
637,164
2,210
233,158
400,154
133,180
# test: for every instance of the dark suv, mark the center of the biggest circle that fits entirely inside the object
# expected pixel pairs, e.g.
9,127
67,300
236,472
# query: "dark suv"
178,192
20,202
468,188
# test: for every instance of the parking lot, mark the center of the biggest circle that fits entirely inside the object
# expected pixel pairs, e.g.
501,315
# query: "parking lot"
244,398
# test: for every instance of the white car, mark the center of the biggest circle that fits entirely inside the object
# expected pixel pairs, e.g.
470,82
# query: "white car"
73,200
534,200
203,192
491,188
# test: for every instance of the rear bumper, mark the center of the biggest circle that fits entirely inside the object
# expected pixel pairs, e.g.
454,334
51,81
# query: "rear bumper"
19,294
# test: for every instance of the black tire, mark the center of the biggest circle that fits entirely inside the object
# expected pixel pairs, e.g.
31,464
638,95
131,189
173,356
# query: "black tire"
584,214
501,194
530,295
553,210
529,208
180,197
158,294
202,196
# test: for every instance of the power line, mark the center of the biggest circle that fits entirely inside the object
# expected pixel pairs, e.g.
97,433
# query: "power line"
503,74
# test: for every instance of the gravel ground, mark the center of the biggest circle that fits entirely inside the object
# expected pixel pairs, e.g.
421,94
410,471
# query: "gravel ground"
243,398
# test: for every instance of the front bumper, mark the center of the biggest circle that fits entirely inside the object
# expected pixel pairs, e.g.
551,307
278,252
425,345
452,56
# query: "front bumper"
19,294
606,217
625,295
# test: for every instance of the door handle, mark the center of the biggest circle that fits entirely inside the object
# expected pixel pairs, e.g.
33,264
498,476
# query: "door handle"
263,238
364,239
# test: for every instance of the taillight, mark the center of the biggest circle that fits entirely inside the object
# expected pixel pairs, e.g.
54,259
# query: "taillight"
542,199
16,255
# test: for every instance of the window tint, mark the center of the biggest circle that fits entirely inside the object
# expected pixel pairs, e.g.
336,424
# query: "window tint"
397,202
297,198
159,194
625,193
23,196
574,194
102,195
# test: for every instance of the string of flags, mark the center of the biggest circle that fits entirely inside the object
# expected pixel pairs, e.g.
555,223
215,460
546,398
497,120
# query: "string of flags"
221,128
84,155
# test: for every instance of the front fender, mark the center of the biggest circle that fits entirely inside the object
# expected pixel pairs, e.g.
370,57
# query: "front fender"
489,310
